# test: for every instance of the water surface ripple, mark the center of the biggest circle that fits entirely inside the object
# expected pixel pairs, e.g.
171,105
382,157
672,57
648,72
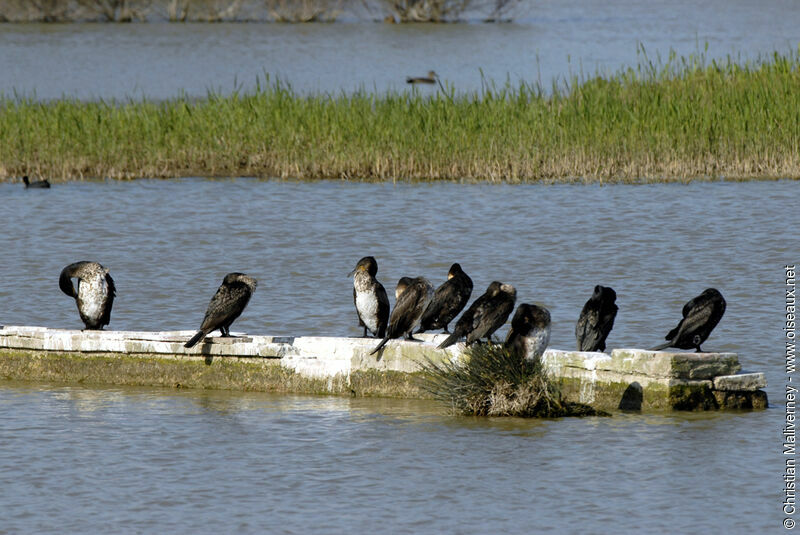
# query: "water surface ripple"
79,459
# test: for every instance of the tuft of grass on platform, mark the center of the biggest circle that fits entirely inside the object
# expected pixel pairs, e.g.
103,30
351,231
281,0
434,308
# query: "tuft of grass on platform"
494,381
676,120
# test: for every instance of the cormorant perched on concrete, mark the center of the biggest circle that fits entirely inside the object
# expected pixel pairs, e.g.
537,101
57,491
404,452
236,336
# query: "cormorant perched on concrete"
700,316
95,294
486,314
369,296
449,299
411,302
530,331
402,284
35,184
596,319
227,304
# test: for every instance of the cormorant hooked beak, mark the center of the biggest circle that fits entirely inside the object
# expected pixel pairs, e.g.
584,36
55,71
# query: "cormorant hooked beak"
357,268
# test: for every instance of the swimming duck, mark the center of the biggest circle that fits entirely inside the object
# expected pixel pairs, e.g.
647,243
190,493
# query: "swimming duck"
432,78
35,184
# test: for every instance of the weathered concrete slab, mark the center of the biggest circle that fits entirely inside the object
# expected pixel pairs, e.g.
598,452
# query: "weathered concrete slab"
743,382
675,364
628,379
739,399
654,364
331,353
637,379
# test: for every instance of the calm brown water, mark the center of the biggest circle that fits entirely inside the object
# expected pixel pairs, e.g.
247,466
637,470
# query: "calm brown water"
81,459
552,39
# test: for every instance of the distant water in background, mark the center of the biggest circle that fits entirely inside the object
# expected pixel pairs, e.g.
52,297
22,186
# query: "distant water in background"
552,39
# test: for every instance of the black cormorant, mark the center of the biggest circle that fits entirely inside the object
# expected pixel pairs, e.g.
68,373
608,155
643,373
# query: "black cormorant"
95,294
486,314
596,319
369,296
700,316
402,284
227,304
530,331
408,308
36,184
449,299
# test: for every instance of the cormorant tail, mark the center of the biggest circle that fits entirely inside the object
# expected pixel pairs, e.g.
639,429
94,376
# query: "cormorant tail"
450,340
661,346
196,338
379,346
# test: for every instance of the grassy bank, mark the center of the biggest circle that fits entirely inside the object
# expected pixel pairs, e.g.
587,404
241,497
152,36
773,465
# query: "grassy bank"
680,120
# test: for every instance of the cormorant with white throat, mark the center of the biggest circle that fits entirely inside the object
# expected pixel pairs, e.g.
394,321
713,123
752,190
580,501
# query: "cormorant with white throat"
369,296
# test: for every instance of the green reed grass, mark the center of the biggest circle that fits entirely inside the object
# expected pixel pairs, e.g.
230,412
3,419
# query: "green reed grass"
680,119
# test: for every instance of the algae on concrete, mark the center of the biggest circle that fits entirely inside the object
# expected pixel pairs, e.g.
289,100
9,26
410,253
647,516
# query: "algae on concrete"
629,379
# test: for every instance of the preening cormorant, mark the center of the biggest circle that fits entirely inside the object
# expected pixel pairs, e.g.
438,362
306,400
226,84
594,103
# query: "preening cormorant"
95,294
596,319
36,183
700,316
530,331
227,304
486,314
402,284
408,308
369,296
449,299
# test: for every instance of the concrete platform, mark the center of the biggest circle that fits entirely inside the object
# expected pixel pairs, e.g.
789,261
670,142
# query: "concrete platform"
631,379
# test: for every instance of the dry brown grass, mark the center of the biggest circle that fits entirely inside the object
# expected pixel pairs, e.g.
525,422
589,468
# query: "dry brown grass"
494,381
